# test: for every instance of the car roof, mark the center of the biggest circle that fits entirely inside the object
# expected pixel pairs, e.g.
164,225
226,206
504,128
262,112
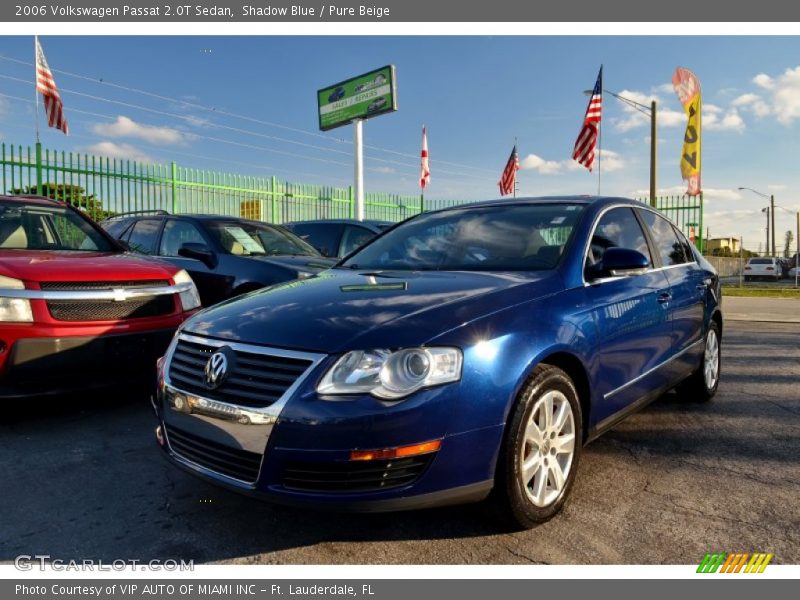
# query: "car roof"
373,222
582,199
32,199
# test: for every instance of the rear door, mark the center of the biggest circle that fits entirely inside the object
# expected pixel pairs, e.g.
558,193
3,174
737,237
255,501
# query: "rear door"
631,317
689,287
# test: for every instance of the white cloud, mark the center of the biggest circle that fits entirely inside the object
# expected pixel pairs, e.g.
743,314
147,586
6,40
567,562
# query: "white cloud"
612,161
710,195
784,94
776,187
665,117
540,165
753,103
729,121
763,80
127,127
123,151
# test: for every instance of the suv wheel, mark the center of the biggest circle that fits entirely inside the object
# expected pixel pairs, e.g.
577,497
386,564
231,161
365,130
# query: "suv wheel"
539,457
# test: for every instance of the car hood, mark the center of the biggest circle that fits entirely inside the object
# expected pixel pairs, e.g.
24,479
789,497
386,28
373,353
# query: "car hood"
341,310
47,265
312,264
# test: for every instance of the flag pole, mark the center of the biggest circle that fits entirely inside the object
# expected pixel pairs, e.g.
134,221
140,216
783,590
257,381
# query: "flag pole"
39,186
515,172
599,152
35,79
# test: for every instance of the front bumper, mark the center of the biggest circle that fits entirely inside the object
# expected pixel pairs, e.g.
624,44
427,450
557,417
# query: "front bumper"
39,366
297,451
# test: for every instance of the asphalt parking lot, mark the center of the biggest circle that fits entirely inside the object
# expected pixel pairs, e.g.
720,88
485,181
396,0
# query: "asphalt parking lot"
83,479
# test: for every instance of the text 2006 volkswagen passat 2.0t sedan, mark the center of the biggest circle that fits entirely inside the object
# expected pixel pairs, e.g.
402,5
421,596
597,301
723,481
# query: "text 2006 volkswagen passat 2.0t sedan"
468,353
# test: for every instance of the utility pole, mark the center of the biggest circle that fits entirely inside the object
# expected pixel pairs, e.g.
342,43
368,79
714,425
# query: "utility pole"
772,208
653,154
766,245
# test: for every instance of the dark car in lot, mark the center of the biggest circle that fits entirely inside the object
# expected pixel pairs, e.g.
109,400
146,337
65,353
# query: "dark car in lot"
226,256
76,310
466,354
337,237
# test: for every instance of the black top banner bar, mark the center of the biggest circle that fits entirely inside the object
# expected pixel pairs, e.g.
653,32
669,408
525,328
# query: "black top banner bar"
459,11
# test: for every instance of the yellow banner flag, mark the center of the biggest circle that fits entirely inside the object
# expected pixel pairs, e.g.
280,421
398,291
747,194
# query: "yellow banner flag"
687,86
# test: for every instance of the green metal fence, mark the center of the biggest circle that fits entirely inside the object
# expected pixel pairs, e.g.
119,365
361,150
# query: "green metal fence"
686,212
103,186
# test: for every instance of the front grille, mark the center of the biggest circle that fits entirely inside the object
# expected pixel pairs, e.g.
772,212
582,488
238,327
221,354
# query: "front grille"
233,462
82,286
111,310
354,476
255,380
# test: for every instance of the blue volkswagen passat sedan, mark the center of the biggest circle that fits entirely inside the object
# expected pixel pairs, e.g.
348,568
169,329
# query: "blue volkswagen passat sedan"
466,354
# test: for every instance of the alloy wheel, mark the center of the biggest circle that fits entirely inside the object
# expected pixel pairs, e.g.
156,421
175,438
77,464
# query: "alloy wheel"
548,450
711,359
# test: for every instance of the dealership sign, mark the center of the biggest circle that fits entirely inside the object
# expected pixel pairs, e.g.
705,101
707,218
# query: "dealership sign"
362,97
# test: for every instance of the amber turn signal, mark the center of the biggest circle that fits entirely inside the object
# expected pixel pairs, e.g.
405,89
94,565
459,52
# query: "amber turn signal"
401,452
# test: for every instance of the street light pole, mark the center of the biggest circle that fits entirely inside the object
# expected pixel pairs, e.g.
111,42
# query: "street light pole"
766,244
770,216
650,111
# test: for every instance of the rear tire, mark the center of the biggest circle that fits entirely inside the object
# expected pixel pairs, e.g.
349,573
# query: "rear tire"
541,450
701,386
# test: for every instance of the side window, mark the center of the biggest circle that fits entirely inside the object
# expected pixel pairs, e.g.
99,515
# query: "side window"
618,228
668,245
115,227
353,238
177,233
686,244
323,236
143,236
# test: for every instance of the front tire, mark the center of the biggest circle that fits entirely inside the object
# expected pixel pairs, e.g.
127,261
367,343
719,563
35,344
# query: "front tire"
701,386
541,447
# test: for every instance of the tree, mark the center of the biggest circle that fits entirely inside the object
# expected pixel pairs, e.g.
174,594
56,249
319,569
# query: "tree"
787,247
70,194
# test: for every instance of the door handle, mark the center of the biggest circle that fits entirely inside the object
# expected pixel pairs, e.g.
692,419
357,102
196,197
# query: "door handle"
664,297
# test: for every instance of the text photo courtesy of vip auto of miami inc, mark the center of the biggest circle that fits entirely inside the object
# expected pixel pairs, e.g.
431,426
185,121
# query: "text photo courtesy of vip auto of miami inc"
408,300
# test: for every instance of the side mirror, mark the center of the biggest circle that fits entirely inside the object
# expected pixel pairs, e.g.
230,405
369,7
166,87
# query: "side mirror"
199,252
620,262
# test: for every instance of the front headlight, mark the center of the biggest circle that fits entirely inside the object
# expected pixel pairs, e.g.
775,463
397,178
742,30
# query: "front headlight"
190,298
14,310
391,375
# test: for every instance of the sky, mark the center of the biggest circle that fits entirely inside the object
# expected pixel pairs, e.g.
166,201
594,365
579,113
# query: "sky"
247,104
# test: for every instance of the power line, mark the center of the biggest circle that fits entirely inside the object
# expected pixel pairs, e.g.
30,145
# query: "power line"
229,128
215,110
210,138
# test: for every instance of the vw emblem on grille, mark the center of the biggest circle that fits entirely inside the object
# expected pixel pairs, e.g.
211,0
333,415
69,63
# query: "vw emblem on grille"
216,368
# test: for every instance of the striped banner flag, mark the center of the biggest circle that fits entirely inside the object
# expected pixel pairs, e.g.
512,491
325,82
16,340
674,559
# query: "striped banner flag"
46,85
586,143
425,169
508,179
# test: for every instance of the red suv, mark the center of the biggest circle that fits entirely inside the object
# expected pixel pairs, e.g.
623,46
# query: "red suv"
76,310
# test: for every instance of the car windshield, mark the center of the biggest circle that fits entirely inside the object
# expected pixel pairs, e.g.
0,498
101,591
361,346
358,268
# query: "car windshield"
39,227
509,237
245,238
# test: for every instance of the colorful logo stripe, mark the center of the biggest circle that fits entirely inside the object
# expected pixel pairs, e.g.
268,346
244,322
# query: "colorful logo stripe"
734,562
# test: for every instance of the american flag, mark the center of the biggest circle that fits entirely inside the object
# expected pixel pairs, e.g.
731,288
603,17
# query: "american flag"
425,170
509,177
46,85
587,139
